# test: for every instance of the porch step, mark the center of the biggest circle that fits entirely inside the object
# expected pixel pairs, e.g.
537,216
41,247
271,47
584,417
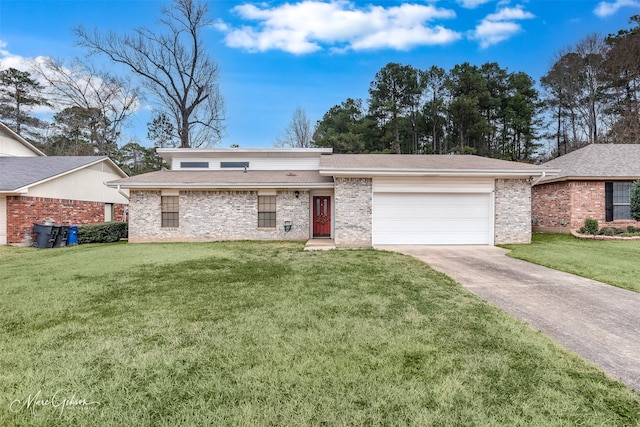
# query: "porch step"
319,245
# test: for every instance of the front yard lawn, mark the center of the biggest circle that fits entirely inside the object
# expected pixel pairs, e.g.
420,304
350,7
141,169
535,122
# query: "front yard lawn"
253,333
610,261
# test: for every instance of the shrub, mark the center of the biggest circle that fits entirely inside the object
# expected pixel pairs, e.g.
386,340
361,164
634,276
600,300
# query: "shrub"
104,232
590,226
607,231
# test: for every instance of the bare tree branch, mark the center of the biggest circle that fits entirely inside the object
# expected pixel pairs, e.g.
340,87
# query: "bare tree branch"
175,67
298,133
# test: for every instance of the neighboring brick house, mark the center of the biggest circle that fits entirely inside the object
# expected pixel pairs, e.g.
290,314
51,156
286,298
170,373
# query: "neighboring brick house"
64,189
358,200
593,182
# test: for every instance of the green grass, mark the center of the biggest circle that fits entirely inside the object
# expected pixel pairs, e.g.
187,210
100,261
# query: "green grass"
610,261
267,334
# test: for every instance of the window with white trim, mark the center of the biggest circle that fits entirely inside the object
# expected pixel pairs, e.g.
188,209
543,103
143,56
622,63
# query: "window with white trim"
266,211
170,211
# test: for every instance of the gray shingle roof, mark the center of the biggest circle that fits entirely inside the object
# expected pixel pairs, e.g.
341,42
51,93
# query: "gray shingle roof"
222,179
598,161
421,162
19,172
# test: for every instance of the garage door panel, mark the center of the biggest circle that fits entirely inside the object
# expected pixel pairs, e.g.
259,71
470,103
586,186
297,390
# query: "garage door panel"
431,218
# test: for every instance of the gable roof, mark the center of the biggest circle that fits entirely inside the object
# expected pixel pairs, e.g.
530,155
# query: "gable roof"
205,179
7,130
597,162
19,173
425,165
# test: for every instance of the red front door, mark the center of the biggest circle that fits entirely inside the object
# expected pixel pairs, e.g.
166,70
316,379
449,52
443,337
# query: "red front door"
321,216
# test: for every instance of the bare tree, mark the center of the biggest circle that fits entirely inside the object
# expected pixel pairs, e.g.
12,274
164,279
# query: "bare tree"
298,133
593,50
174,66
83,87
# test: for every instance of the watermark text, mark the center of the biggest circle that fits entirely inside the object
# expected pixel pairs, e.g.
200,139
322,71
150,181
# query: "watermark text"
58,401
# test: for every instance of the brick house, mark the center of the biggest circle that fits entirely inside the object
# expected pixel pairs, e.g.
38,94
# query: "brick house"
64,189
358,200
593,182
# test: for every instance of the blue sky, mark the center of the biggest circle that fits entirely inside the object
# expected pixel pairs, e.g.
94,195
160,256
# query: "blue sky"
276,56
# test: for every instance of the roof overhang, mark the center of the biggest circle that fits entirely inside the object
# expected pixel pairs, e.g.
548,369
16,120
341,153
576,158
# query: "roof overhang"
16,192
219,185
588,178
485,173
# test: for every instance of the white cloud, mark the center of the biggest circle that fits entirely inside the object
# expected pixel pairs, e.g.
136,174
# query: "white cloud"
312,25
9,60
35,67
500,26
472,4
605,9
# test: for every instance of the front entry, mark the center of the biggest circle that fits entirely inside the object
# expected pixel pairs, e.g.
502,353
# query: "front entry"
321,216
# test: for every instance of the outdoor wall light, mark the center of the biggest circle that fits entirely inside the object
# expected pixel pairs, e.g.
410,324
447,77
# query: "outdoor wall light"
287,226
297,194
562,222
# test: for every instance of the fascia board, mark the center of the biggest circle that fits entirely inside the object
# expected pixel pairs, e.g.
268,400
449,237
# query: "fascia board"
588,178
205,186
16,192
439,172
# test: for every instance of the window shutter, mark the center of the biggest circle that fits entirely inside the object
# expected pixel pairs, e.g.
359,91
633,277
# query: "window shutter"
608,201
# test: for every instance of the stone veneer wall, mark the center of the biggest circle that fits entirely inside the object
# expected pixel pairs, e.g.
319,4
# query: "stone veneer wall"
24,211
512,211
353,199
217,215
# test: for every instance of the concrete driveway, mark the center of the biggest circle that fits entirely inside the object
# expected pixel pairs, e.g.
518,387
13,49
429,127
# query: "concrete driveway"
597,321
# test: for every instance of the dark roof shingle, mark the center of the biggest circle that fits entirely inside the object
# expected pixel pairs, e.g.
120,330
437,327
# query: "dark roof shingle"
19,172
598,161
432,162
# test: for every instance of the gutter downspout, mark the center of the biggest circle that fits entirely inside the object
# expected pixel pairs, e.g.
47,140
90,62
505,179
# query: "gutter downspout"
534,182
126,196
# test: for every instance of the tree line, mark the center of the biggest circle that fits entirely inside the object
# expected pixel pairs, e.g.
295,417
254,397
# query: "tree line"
474,110
589,95
592,91
170,69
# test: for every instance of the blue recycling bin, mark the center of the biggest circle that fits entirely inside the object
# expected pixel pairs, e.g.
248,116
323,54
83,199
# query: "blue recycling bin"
72,237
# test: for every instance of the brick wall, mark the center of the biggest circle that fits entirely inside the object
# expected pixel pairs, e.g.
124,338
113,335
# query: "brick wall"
551,207
217,215
353,199
23,211
571,202
512,211
587,201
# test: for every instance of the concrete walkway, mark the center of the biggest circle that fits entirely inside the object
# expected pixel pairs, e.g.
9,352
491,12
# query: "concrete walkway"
597,321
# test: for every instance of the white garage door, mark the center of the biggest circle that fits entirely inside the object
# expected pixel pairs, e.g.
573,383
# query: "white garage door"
432,219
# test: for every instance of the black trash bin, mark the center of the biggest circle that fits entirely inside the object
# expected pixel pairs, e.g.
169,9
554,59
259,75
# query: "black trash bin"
61,238
43,235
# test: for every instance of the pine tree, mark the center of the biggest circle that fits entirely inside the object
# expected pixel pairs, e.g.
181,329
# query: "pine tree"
19,93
